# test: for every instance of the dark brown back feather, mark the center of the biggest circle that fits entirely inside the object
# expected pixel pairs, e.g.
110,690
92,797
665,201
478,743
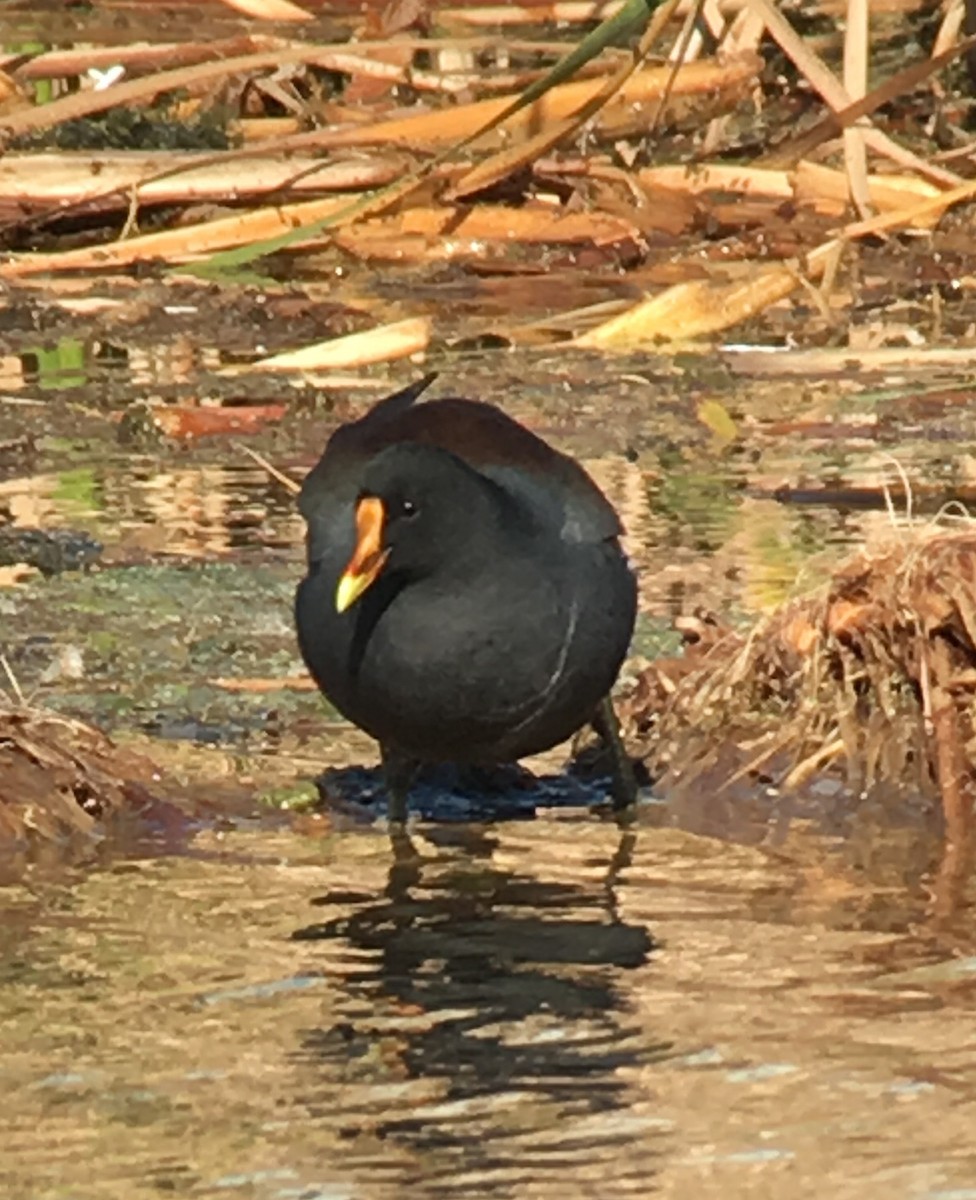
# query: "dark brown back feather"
482,436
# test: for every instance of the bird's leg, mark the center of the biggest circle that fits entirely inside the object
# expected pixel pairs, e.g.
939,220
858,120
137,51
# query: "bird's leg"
623,786
398,773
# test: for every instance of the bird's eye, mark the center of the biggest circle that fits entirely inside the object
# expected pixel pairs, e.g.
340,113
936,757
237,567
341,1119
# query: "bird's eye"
408,508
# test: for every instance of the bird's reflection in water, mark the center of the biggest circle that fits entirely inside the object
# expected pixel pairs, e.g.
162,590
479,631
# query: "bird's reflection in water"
497,1001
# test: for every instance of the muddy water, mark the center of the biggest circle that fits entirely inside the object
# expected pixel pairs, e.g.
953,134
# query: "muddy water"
715,1002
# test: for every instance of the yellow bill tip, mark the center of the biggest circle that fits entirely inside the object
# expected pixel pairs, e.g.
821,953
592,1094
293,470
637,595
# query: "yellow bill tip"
350,588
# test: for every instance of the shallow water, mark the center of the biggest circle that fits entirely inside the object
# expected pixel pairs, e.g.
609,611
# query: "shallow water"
727,999
535,1008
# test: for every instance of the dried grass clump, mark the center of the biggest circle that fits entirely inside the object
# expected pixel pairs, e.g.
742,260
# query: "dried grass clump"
873,678
61,780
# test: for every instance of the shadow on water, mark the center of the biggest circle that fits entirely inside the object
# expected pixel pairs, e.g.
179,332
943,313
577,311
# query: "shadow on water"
447,792
504,994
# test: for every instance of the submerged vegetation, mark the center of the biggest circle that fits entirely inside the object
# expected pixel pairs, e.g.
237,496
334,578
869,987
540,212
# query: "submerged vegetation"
619,183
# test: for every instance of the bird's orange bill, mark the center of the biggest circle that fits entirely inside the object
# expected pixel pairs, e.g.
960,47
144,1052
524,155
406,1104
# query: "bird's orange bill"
367,558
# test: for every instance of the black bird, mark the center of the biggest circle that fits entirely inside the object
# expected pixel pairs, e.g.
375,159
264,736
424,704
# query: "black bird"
467,599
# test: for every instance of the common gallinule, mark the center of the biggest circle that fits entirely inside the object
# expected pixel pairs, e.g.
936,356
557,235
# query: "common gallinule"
467,599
